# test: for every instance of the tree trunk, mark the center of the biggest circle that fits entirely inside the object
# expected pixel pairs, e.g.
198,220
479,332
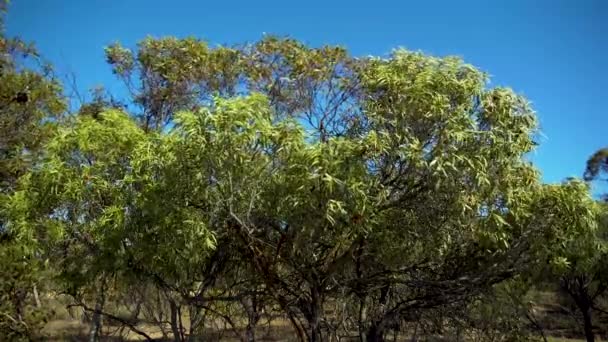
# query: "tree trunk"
36,297
251,307
96,322
588,325
250,333
195,319
578,289
375,333
175,326
315,315
361,319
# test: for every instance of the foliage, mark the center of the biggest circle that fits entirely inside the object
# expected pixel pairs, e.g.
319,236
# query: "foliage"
275,176
582,272
597,164
30,99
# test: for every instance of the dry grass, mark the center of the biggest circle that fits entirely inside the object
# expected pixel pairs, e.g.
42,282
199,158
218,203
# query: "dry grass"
75,330
68,326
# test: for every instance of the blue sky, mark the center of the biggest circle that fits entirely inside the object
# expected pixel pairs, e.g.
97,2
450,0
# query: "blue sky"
552,51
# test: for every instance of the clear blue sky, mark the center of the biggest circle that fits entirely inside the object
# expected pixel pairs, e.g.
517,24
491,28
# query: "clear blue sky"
553,51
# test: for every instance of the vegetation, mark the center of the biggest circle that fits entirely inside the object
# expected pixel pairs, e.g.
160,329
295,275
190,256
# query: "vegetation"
276,184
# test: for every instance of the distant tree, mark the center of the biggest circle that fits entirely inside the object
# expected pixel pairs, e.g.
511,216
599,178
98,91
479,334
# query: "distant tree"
597,165
583,275
584,278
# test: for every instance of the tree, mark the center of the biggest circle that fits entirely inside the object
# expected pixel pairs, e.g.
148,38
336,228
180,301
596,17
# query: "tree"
597,165
316,86
30,98
167,75
459,209
583,278
30,101
386,189
582,273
